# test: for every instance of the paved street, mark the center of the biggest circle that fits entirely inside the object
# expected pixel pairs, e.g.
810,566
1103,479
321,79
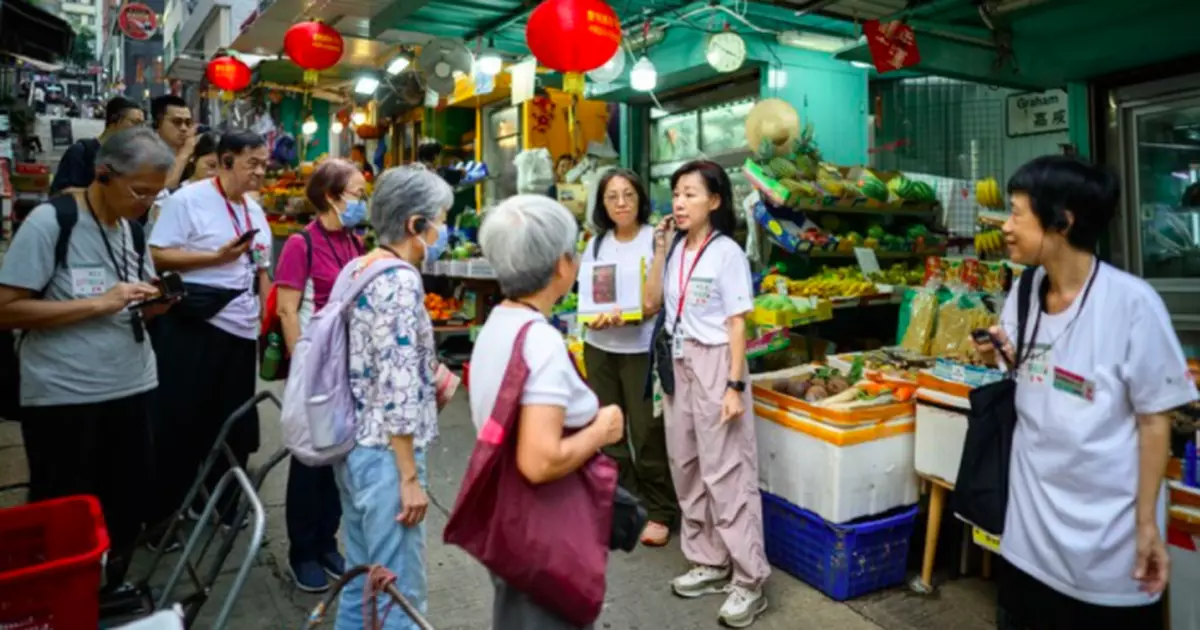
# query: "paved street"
638,598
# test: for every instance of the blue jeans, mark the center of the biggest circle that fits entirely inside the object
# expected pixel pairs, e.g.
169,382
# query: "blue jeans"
369,485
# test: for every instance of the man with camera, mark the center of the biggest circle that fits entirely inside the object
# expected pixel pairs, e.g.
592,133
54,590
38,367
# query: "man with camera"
76,288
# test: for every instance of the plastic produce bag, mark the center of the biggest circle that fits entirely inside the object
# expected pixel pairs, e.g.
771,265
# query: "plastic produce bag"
918,314
535,171
956,318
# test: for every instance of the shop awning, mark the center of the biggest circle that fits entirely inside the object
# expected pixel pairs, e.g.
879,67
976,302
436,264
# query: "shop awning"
33,33
40,66
187,69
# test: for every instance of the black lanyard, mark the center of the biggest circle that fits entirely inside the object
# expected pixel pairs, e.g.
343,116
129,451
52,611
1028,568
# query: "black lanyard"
122,270
1043,292
328,241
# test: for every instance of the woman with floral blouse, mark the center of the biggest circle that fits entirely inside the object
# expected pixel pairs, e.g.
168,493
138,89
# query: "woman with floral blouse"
393,371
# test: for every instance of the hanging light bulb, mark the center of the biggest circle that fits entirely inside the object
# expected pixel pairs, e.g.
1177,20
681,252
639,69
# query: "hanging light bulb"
398,65
644,76
337,127
309,127
490,63
358,117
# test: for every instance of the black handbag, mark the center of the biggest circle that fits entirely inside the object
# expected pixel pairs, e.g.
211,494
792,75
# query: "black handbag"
981,490
629,518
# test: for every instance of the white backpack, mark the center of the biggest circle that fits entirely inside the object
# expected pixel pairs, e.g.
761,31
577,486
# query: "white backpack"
318,408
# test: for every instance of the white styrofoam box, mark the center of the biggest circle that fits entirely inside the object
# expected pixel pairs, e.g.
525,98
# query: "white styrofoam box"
1185,563
941,431
838,483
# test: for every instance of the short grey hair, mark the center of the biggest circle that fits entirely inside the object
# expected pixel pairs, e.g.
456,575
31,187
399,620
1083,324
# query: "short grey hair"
131,150
523,238
402,193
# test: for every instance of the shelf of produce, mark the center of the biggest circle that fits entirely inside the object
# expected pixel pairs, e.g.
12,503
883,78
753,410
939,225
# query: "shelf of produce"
878,299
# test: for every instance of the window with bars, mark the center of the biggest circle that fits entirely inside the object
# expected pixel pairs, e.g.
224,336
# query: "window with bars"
951,133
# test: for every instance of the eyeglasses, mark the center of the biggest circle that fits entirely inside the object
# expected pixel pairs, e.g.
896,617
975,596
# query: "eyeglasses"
182,123
630,197
139,197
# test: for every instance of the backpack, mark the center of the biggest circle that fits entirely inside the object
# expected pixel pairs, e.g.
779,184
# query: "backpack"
318,408
66,212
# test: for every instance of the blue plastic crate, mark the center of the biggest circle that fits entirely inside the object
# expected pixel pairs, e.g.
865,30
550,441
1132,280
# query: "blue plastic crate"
842,561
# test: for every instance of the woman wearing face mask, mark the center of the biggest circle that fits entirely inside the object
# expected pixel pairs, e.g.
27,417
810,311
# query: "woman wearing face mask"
393,368
308,266
701,279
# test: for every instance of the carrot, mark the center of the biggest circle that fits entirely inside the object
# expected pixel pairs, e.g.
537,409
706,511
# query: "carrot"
874,389
903,394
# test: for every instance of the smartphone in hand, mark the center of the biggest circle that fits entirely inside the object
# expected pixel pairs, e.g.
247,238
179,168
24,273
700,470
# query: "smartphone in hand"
247,236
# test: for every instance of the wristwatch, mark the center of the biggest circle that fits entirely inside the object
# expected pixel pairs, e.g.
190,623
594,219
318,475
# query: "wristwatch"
737,386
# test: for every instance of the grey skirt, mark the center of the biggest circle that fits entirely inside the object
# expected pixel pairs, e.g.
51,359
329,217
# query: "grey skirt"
513,610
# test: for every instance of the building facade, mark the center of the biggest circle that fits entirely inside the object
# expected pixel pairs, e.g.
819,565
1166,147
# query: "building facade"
134,68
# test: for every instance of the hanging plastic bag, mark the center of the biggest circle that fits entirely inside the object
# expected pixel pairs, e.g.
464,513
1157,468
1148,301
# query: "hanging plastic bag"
535,171
918,315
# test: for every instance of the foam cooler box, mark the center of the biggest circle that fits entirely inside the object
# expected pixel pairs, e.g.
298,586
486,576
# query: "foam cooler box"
840,466
842,561
942,408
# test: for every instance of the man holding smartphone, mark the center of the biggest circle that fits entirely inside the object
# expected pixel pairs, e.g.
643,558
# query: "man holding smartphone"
217,238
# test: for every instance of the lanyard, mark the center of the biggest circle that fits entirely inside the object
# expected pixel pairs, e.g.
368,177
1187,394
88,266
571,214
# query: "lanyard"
684,282
1043,291
122,270
328,241
237,229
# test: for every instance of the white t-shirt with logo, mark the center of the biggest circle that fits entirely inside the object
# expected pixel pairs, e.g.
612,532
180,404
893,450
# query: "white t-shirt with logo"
195,218
719,288
1074,474
632,338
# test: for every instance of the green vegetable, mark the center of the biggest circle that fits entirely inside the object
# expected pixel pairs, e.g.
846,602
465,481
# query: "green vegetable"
856,369
783,167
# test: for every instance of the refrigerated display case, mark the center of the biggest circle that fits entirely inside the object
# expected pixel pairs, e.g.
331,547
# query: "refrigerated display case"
710,124
1155,128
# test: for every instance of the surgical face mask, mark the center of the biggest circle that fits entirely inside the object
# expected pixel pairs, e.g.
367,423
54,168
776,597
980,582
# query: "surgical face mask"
355,212
435,250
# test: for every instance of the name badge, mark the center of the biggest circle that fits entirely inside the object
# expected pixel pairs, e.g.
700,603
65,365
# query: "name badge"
677,345
88,281
699,291
1074,384
1038,367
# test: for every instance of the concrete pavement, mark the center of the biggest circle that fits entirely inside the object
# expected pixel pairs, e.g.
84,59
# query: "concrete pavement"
460,593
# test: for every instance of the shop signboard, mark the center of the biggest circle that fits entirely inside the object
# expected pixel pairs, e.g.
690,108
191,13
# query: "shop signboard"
893,45
1033,113
137,21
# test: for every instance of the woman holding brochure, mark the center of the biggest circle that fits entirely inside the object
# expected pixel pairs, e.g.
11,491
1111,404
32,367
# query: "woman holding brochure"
617,345
701,279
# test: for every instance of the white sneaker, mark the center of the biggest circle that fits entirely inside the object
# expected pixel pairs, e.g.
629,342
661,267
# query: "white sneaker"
700,581
742,606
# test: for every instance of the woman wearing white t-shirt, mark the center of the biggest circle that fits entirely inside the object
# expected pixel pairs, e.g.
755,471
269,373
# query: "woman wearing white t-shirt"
530,242
1084,529
617,353
701,280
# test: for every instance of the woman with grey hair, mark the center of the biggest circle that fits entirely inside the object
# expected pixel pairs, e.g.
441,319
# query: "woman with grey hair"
530,242
88,370
393,367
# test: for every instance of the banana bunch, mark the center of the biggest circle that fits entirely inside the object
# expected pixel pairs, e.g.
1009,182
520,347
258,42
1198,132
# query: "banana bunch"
831,287
771,281
987,194
989,242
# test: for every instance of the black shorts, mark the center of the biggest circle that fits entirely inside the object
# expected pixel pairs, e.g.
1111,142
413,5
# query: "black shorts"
1024,603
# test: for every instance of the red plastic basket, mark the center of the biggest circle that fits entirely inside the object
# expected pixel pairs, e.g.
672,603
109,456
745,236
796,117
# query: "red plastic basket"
51,559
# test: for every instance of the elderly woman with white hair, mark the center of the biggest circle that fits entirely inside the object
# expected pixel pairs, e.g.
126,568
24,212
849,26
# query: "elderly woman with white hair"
530,242
393,364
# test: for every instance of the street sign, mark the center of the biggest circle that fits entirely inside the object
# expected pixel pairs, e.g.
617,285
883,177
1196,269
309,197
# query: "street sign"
137,21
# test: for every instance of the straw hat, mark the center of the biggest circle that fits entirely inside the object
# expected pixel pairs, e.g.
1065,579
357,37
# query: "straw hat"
775,120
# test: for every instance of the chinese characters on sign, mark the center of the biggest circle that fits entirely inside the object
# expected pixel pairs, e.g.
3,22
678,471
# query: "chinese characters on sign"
1033,113
893,45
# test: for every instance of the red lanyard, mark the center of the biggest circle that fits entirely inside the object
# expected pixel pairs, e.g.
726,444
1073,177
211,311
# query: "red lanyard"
237,230
683,283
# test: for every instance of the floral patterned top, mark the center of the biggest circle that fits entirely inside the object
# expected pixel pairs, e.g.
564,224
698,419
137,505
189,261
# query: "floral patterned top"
393,360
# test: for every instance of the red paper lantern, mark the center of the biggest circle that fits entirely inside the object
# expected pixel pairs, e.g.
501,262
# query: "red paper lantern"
314,46
573,37
228,74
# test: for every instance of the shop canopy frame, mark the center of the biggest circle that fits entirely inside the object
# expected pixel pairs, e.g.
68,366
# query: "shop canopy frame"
29,32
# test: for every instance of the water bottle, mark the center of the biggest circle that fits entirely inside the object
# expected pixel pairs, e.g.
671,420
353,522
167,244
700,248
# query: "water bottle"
272,357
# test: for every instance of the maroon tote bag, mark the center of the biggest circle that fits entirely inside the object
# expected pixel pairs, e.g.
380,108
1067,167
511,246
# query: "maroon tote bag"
548,541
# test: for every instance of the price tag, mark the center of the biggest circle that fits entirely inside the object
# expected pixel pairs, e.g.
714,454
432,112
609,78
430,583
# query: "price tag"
868,262
781,286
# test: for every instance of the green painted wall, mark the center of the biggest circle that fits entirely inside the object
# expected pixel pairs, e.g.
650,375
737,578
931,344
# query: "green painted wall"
292,115
831,94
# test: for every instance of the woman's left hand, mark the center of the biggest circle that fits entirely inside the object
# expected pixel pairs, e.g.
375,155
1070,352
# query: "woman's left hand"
1152,565
732,407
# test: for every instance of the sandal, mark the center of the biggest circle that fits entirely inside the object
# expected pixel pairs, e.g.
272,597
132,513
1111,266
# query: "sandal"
655,534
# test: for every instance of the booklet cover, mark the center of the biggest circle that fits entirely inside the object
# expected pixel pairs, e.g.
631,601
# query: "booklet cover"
608,286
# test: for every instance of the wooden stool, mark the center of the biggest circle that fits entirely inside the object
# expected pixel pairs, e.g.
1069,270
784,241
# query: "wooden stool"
938,489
